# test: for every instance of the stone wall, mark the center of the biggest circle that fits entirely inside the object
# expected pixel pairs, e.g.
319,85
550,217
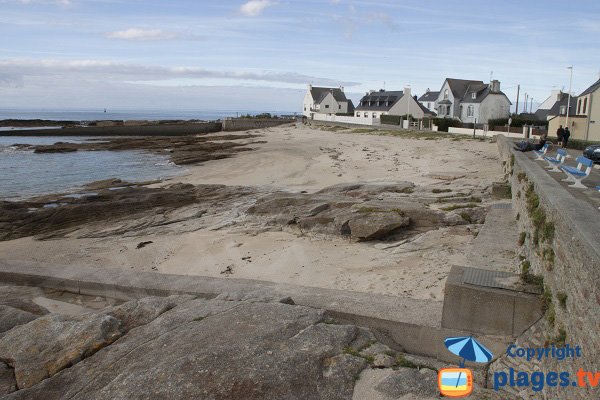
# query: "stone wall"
244,124
140,130
559,242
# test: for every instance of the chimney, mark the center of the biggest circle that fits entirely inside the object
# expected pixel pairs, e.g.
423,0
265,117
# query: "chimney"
309,86
427,91
407,91
495,86
342,88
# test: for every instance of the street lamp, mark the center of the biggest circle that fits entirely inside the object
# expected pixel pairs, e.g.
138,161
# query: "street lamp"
569,98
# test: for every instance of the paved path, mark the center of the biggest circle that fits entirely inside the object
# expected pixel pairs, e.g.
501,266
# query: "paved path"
495,246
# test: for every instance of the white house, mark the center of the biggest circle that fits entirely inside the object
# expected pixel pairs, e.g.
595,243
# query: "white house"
472,101
374,104
428,100
324,100
543,113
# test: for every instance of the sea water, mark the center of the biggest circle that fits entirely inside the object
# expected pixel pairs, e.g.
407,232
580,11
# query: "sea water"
24,173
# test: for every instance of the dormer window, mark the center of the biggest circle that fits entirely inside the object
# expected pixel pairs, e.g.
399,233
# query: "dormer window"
473,95
563,110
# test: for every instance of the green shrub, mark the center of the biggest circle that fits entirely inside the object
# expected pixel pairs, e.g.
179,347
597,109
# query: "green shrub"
580,144
391,119
444,123
562,299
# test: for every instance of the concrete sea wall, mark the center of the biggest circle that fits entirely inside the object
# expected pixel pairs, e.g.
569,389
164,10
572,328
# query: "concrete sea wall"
244,124
559,242
140,130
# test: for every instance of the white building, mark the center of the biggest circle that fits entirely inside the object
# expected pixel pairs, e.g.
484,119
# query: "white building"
428,100
324,100
472,101
374,104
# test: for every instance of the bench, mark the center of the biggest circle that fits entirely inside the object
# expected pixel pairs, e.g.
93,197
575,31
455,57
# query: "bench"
539,154
555,162
577,174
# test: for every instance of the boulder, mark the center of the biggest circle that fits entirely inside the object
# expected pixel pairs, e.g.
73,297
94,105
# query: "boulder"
46,345
214,349
7,379
11,317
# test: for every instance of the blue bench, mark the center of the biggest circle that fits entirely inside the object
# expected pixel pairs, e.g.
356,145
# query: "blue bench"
539,154
577,174
555,162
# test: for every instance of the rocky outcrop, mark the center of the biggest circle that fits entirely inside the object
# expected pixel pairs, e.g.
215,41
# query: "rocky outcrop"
11,317
358,211
140,312
21,298
49,344
220,350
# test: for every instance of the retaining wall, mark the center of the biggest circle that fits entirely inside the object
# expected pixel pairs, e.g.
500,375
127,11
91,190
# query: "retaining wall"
561,241
244,124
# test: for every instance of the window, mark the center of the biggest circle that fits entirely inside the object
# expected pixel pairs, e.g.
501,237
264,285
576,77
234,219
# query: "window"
366,115
446,94
339,106
563,110
470,111
374,115
304,108
357,114
473,96
579,106
326,105
429,106
584,105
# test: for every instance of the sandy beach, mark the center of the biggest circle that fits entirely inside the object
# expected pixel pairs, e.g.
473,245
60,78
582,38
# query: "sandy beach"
226,242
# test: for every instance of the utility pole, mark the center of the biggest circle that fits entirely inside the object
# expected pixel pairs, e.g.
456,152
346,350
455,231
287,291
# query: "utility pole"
569,98
525,103
517,107
531,106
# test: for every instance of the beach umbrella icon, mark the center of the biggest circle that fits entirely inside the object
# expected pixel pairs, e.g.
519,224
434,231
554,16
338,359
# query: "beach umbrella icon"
469,349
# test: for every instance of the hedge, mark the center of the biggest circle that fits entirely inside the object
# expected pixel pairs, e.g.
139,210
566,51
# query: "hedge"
517,122
444,123
391,119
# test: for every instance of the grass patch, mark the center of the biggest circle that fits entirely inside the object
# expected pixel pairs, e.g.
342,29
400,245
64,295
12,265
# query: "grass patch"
198,319
356,353
562,299
522,237
436,190
548,258
458,199
548,231
522,176
458,206
402,362
528,277
548,306
466,216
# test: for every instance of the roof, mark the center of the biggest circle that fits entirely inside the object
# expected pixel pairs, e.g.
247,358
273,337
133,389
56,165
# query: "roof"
373,101
319,93
425,109
555,110
459,87
429,96
592,88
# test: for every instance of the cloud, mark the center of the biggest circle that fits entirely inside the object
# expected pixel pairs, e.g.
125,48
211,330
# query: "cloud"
57,2
143,34
253,8
104,70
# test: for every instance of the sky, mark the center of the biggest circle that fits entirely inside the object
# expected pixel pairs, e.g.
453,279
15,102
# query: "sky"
260,54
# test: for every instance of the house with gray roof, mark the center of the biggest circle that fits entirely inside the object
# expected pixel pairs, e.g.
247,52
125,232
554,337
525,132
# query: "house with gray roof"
374,104
472,101
428,100
324,100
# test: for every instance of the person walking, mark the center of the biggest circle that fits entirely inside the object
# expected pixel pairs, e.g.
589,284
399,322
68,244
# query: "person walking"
559,134
566,136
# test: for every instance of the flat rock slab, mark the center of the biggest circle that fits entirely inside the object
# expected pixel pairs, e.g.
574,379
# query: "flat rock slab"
214,349
47,345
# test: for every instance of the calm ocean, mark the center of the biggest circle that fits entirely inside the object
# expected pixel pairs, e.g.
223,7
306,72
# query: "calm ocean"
24,174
